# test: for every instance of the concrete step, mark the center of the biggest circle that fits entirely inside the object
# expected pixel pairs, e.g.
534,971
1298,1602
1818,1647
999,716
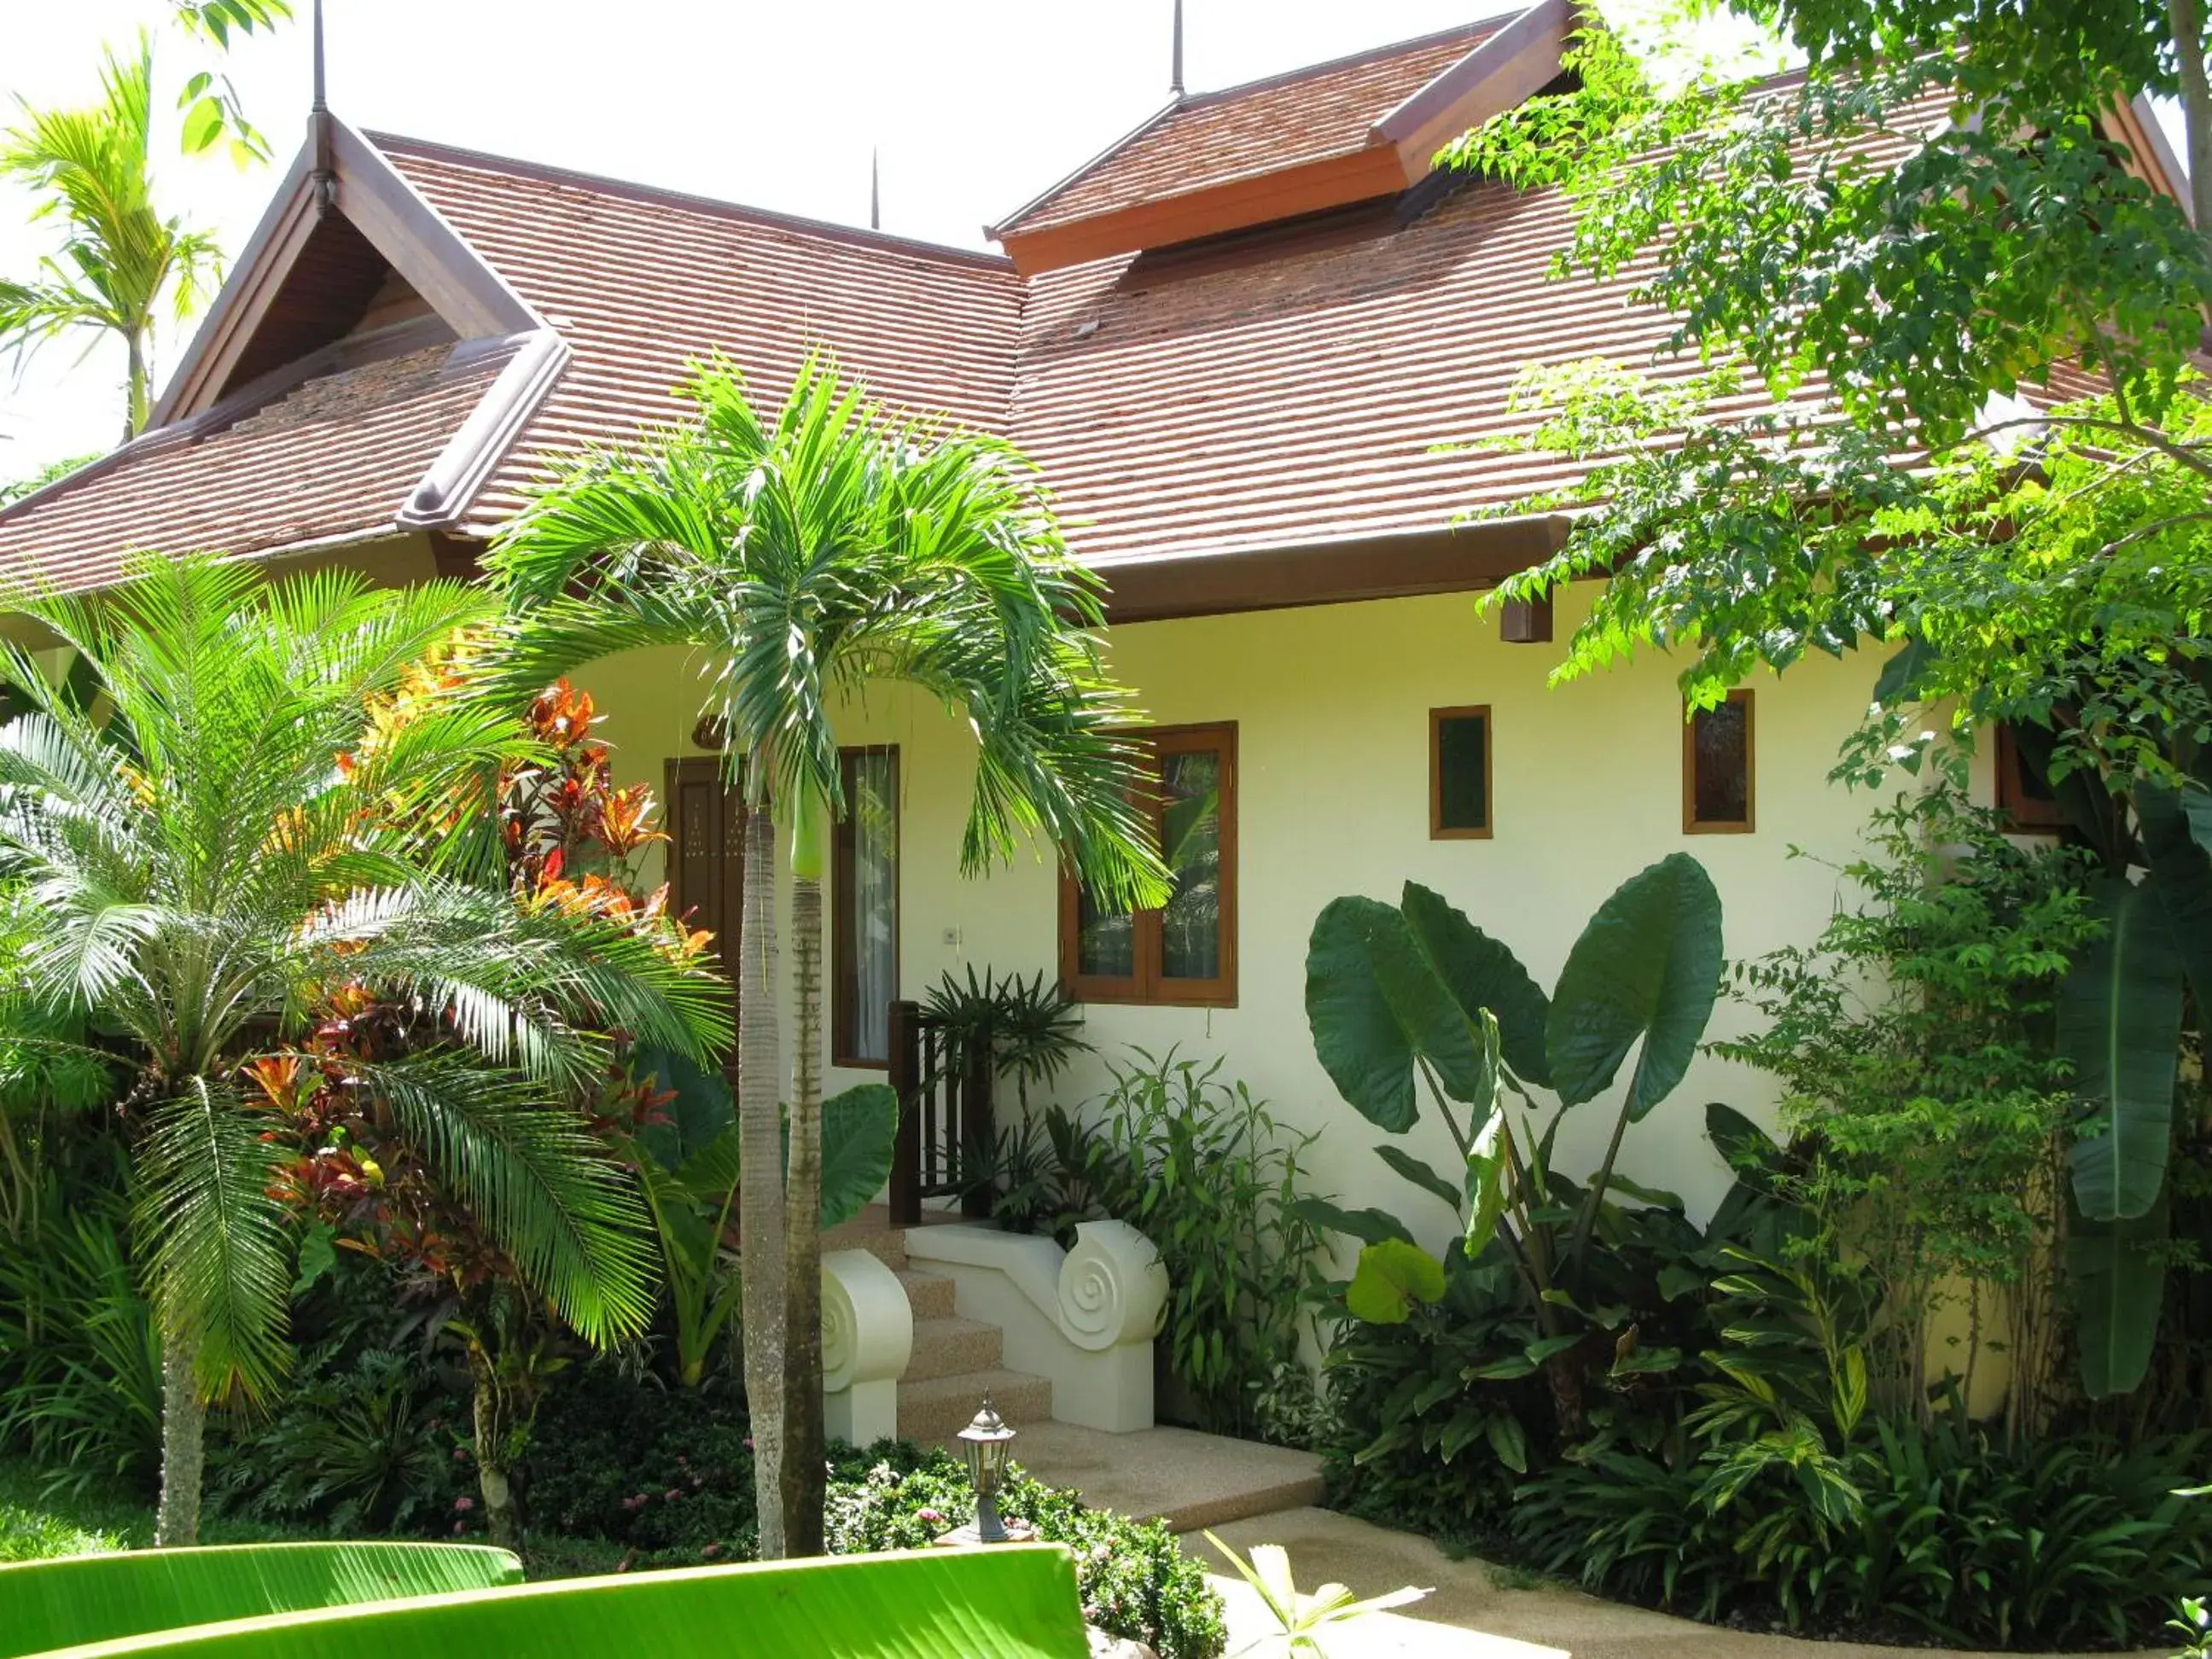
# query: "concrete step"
870,1230
1180,1476
930,1295
932,1410
954,1347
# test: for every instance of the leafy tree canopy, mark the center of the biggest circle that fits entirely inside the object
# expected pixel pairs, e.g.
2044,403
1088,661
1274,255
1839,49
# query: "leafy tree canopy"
1976,320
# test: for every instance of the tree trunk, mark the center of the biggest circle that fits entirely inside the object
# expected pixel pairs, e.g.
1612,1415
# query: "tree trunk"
138,387
2186,20
183,1438
805,1443
760,1186
491,1422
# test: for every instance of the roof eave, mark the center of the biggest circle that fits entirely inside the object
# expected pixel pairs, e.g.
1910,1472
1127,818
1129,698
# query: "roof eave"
998,232
1501,71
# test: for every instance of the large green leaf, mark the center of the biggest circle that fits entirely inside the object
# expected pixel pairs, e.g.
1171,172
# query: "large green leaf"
1377,1007
2119,1022
1391,1276
82,1599
2118,1272
2174,844
1368,1226
1017,1601
1648,966
1480,972
859,1131
698,1112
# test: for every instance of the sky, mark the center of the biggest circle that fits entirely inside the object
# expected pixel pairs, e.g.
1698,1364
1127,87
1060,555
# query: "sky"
974,106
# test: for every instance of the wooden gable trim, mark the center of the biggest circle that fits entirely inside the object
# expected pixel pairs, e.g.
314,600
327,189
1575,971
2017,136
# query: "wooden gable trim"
2150,154
1503,71
470,297
1263,198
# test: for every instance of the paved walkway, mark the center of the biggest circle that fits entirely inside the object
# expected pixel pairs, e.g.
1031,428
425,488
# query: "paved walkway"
1471,1616
1253,1494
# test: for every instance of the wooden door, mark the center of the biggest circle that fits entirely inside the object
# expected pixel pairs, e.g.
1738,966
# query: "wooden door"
707,854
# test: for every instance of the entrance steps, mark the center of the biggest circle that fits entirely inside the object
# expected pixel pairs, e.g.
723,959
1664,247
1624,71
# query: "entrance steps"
955,1361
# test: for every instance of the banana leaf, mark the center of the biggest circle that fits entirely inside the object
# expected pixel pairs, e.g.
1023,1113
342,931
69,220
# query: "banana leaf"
2119,1022
2119,1274
83,1599
1014,1602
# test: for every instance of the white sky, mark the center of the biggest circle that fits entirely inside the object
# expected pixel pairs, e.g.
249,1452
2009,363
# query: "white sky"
976,105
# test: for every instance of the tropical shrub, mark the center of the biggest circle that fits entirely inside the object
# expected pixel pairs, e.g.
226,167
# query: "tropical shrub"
80,1358
1203,1170
1395,993
1917,1044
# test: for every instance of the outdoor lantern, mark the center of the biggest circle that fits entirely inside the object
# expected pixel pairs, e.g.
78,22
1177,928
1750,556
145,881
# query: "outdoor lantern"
985,1442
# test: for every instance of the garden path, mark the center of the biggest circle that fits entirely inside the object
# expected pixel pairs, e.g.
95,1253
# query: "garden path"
1474,1611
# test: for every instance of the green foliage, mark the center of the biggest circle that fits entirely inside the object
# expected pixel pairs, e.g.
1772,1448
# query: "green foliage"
1420,991
1944,1535
1029,1027
1012,1603
1917,1044
1202,1169
58,1604
120,260
17,488
366,1445
80,1360
1298,1617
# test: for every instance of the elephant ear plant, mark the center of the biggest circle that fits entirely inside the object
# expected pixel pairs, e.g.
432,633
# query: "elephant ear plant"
1414,1000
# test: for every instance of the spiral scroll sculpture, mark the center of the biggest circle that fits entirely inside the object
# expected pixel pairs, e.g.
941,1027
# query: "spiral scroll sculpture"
1113,1289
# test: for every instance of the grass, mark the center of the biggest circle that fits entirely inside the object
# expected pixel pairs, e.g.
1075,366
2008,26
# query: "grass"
36,1523
43,1514
42,1517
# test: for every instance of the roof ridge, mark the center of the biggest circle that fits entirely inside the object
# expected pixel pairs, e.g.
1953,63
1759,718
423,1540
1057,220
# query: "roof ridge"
1283,77
605,184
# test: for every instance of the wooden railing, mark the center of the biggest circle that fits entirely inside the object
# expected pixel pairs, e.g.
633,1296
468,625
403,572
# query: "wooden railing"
945,1128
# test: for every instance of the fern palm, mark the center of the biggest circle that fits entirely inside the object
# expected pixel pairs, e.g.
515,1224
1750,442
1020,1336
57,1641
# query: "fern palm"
232,824
810,556
120,260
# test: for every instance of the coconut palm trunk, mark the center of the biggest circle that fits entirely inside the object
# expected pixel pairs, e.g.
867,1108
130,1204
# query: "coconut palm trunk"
184,1445
760,1183
805,1442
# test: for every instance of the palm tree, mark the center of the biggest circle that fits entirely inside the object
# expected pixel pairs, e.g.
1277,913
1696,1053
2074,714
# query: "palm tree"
810,558
264,795
120,259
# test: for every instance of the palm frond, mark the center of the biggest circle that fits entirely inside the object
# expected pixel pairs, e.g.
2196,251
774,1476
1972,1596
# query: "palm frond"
218,1257
543,1186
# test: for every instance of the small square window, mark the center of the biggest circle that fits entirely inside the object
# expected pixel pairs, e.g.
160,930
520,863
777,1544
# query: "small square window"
1719,773
1459,774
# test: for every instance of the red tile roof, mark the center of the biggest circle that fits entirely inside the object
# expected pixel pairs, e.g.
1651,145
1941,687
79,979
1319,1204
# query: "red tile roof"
643,283
331,459
1264,126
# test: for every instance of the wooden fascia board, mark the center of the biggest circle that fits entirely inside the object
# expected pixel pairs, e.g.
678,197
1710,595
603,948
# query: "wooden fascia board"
1332,181
1203,584
421,246
259,272
2150,154
1500,73
1012,223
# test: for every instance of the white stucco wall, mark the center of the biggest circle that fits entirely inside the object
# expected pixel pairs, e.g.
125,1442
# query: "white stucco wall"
1332,709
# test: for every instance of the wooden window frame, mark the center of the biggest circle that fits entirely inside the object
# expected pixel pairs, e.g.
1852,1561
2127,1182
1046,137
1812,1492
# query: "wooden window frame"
844,852
702,909
1147,987
1692,823
1438,831
2024,814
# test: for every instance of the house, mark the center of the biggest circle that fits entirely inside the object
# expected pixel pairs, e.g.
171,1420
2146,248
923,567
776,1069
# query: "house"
1248,346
